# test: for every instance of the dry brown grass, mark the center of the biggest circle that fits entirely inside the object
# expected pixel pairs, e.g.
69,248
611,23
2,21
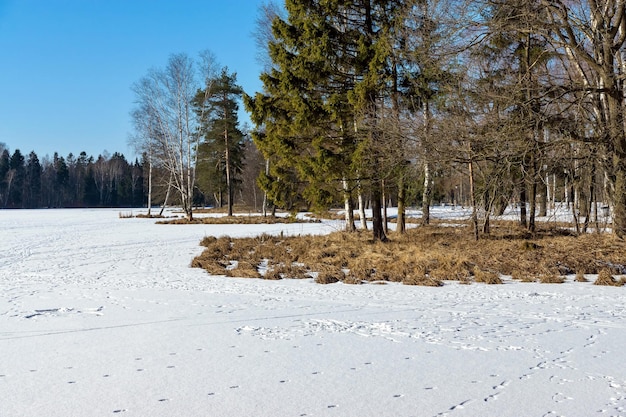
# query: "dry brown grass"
486,277
329,275
244,269
421,280
580,276
605,277
551,278
254,219
149,216
424,256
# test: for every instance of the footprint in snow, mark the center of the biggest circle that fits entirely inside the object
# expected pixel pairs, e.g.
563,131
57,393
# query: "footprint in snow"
460,405
559,397
501,385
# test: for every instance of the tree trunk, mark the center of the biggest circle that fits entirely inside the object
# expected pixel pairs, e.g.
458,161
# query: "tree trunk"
167,195
533,205
426,195
544,197
362,208
149,185
523,221
401,220
349,207
384,200
619,199
377,218
267,172
473,200
532,201
229,186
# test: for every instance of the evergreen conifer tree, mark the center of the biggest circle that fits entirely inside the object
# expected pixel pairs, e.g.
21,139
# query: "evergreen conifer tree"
17,180
5,166
33,181
318,115
220,155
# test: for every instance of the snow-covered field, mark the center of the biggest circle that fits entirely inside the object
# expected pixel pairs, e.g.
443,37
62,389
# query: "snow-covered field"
102,316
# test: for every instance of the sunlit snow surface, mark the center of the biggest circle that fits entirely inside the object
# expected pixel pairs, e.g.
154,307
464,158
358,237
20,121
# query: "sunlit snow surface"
102,316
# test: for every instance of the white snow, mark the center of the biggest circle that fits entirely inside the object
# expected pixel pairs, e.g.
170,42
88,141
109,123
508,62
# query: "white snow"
103,316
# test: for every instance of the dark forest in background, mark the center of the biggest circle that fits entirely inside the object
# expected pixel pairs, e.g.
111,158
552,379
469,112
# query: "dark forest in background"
108,180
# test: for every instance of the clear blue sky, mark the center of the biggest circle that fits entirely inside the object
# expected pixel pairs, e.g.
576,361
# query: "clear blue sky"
67,66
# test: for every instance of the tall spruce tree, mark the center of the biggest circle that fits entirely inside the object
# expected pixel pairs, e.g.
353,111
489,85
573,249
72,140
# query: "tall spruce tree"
319,114
17,179
33,182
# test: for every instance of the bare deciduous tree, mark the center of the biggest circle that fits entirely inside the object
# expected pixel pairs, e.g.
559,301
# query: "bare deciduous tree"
167,121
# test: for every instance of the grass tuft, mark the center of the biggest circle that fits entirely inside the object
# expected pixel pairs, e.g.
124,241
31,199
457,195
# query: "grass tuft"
551,278
486,277
605,277
329,275
580,276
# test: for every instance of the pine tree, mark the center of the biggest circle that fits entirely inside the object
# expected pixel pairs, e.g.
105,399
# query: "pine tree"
220,155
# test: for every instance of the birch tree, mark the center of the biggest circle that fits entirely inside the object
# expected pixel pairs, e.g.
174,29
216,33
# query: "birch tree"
592,34
170,126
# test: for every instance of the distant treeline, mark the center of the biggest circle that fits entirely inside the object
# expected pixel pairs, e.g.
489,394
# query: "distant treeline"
72,181
110,180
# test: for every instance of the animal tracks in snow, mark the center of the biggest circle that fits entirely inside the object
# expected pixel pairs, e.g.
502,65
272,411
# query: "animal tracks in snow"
170,340
64,311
